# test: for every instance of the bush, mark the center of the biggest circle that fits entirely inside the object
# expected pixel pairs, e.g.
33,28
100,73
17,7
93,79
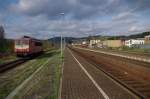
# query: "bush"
6,46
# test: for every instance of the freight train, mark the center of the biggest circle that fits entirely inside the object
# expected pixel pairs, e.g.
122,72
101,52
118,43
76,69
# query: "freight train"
28,46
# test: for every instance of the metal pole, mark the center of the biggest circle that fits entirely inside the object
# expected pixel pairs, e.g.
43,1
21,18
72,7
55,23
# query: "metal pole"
61,45
64,42
61,38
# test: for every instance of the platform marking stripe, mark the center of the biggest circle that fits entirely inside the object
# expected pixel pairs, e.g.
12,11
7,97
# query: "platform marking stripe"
91,78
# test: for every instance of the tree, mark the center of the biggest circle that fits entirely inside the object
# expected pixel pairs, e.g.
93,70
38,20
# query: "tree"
1,32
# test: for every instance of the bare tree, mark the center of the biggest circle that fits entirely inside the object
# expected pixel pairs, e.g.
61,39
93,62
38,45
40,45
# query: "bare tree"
1,32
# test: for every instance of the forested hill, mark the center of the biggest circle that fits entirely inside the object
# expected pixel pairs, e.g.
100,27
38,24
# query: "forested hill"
56,40
141,35
134,36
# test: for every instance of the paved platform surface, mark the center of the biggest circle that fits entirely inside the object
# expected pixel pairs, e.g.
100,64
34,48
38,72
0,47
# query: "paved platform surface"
75,83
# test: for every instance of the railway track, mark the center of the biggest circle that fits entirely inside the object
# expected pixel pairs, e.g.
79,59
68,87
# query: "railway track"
139,87
6,66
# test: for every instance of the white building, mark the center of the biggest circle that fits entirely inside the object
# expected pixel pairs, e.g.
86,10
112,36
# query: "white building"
132,42
94,42
147,39
84,42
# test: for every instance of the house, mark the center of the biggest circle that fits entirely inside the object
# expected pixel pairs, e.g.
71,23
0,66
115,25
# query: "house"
113,43
100,44
147,39
94,41
134,42
106,43
80,42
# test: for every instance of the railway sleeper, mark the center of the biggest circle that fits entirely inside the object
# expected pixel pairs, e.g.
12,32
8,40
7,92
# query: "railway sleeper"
125,78
107,68
131,82
144,89
140,86
119,75
147,94
113,72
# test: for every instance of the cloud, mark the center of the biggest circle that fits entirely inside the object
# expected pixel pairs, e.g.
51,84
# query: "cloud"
76,9
133,28
41,27
42,19
1,18
79,9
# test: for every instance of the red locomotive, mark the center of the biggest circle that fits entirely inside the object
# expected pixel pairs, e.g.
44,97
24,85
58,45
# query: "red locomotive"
27,46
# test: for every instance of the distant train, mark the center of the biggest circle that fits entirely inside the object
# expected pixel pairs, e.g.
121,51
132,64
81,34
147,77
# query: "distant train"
27,46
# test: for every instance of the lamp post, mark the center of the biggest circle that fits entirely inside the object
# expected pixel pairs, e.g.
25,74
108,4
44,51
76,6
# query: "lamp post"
64,43
62,14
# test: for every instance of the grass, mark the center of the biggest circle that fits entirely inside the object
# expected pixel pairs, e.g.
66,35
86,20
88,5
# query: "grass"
136,51
7,59
132,49
45,85
13,78
56,83
145,52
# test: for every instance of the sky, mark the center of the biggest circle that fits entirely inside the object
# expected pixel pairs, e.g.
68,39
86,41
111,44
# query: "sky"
44,19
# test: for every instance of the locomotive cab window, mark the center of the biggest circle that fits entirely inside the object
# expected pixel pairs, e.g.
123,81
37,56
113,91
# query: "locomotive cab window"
38,44
17,42
21,42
